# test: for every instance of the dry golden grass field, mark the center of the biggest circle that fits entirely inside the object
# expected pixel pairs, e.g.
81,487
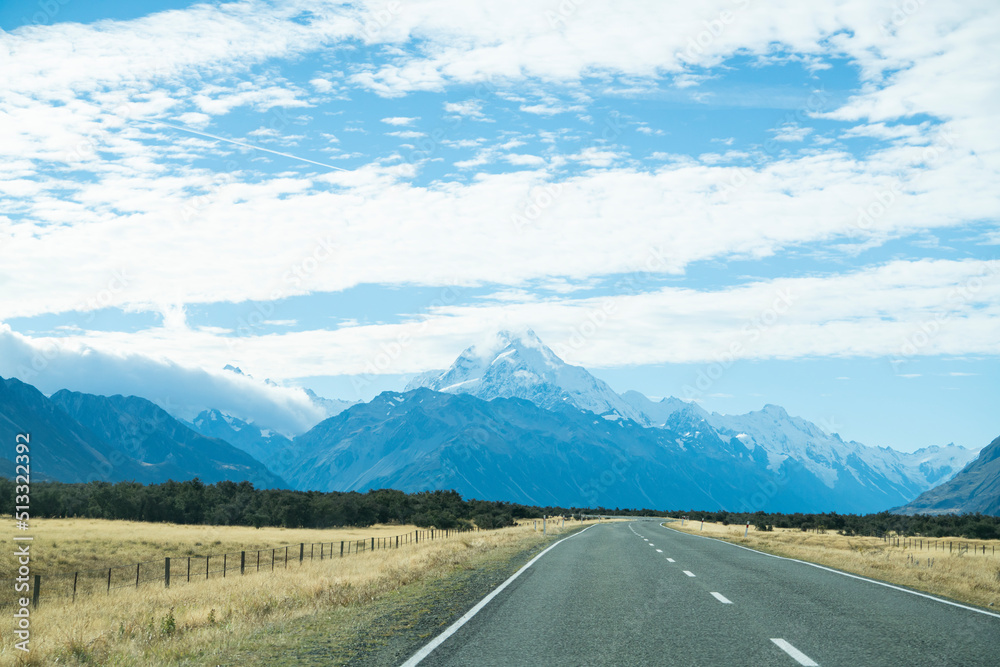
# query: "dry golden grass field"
973,579
201,622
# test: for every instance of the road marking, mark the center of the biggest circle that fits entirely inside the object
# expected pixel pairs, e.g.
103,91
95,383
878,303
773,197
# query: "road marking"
454,627
843,574
799,656
671,560
659,551
689,573
722,598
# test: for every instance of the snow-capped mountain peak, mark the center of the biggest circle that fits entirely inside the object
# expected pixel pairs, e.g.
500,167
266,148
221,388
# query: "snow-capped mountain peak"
514,365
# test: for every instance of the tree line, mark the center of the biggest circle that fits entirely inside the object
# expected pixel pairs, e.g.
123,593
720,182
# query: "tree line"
240,504
969,526
229,503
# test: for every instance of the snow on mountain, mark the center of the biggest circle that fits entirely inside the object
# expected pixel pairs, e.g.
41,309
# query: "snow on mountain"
975,489
331,406
781,437
263,444
658,413
522,366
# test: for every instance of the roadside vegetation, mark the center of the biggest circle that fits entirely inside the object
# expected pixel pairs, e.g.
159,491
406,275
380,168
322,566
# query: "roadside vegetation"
240,504
927,564
208,622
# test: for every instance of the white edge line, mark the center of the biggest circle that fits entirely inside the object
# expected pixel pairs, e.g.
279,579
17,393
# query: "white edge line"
798,655
721,598
845,574
417,657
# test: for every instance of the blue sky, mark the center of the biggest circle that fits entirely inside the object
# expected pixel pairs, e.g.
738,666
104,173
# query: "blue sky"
725,202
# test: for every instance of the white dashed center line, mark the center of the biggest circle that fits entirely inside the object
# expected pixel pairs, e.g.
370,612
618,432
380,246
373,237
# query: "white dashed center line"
671,560
689,573
799,656
721,598
659,551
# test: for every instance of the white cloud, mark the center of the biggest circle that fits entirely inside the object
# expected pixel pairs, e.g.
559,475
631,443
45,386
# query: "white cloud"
791,132
399,120
885,311
183,391
321,85
470,109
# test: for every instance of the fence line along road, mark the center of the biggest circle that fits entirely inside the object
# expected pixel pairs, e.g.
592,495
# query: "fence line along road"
174,570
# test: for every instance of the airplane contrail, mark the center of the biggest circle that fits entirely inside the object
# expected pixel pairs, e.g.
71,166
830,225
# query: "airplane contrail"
239,143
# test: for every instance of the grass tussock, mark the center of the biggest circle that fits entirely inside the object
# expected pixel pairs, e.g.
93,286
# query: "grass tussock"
973,579
202,622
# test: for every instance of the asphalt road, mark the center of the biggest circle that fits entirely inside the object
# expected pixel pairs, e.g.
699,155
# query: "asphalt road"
641,594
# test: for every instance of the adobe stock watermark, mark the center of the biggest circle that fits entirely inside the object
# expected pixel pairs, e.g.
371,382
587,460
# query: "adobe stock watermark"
427,146
914,343
883,200
379,20
594,321
48,10
324,250
713,29
542,196
740,177
749,334
390,352
594,489
194,207
902,12
106,297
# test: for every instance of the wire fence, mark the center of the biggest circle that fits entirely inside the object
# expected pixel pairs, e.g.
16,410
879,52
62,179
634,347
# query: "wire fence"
182,570
954,547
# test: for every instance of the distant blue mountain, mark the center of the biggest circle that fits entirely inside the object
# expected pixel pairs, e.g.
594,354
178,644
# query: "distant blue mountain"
511,449
60,448
976,488
83,438
165,447
264,444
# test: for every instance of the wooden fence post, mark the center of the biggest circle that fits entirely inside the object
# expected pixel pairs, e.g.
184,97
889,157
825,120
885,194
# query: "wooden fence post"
341,549
189,569
225,560
243,561
302,552
34,593
75,575
137,574
166,572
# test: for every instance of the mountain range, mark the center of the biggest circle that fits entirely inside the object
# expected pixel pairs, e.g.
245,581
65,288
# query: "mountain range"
82,437
509,420
976,488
